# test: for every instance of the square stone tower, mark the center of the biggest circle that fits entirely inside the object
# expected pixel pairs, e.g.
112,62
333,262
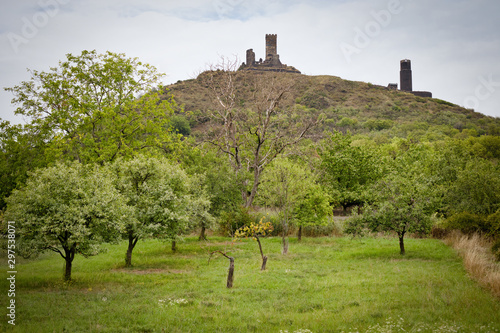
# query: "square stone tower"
271,46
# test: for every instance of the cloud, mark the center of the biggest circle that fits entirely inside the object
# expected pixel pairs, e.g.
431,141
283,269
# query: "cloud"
452,44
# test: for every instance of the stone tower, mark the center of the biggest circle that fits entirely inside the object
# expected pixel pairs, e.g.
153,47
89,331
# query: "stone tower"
271,46
405,75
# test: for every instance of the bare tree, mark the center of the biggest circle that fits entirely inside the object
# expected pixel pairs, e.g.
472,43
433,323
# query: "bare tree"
251,124
230,273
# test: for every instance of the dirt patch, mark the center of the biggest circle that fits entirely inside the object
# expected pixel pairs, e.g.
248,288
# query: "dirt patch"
149,271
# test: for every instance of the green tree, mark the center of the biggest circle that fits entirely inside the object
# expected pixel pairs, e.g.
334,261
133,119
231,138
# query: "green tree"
313,209
284,184
404,200
403,206
159,192
20,152
68,209
348,171
476,189
218,182
96,107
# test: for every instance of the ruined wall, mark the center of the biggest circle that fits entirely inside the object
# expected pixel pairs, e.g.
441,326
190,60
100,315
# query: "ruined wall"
250,57
271,61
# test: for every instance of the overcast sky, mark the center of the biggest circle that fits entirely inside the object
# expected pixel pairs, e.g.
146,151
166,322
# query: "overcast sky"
454,45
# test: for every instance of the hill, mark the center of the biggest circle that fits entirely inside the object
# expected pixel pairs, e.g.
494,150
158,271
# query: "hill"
362,108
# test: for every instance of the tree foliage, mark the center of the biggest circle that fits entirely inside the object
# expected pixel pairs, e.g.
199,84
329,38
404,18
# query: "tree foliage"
256,231
347,170
401,207
96,107
20,152
162,197
285,184
68,209
313,209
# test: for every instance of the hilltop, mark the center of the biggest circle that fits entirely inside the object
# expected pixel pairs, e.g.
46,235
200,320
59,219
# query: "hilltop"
362,108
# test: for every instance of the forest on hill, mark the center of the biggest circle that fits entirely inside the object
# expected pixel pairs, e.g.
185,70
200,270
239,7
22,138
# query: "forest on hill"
108,153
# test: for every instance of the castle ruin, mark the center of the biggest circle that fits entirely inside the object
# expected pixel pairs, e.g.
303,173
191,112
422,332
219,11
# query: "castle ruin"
272,61
405,80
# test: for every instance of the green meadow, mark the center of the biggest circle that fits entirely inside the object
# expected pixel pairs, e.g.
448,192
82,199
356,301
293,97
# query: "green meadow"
322,285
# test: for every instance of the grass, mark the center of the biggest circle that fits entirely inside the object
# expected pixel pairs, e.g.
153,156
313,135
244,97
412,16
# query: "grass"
322,285
478,259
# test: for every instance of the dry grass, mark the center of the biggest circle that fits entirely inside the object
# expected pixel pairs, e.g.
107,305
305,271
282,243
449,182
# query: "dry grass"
478,259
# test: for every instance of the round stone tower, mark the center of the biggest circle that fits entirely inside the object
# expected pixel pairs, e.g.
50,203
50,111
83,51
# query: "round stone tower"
405,76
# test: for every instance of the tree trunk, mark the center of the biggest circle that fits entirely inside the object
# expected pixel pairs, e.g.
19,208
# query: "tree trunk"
67,269
264,262
69,255
230,274
253,192
131,244
284,235
202,234
174,246
401,244
285,245
264,258
299,235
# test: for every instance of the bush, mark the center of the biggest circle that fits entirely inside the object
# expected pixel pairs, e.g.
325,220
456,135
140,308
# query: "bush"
493,223
467,223
181,125
439,232
232,221
496,250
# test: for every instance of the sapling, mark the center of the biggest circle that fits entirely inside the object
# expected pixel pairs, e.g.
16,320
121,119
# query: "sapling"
256,231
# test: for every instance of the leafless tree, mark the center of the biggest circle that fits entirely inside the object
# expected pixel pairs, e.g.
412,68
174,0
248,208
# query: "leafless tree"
251,125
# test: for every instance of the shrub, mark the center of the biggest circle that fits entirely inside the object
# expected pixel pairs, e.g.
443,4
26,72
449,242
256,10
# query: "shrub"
232,221
495,249
493,224
181,125
467,223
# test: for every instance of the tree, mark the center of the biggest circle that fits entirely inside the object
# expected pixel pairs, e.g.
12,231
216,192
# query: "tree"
67,209
476,189
20,152
230,271
348,171
218,183
256,231
404,205
159,192
96,107
313,209
284,185
253,129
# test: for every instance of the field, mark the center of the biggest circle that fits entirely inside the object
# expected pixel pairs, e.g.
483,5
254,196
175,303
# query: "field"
322,285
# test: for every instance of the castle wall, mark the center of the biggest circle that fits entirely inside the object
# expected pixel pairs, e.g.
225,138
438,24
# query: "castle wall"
272,62
422,93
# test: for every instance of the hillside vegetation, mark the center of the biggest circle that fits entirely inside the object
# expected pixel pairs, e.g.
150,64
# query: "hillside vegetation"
362,108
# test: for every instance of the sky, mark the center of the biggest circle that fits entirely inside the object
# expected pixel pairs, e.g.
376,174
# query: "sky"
453,45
